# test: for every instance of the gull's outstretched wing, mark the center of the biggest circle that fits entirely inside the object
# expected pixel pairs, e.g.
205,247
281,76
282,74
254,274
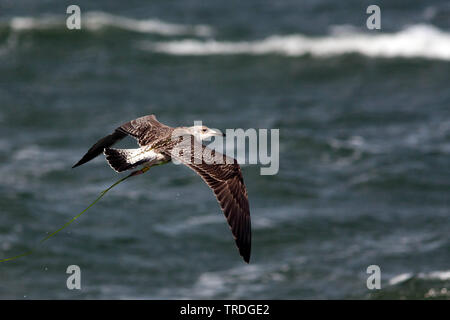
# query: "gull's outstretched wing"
225,179
145,129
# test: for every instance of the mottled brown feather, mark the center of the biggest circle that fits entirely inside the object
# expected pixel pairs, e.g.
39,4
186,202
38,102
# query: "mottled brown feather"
147,130
227,183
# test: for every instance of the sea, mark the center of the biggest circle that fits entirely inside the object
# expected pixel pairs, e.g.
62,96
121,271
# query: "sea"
359,208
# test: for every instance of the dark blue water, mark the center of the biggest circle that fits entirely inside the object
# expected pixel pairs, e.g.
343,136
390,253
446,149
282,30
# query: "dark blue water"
364,120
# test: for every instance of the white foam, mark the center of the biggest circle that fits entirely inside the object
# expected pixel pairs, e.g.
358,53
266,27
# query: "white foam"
400,278
94,21
237,282
433,275
97,20
417,41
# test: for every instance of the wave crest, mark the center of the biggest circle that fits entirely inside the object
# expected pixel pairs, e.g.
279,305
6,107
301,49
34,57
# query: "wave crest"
417,41
433,275
94,21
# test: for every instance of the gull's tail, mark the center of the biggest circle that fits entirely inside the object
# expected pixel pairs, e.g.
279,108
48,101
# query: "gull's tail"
125,159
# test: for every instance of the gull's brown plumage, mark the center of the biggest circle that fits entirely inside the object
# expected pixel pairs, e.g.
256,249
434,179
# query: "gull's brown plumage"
227,183
225,179
147,131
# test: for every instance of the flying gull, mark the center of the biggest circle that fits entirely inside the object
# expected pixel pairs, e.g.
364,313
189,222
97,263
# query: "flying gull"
156,147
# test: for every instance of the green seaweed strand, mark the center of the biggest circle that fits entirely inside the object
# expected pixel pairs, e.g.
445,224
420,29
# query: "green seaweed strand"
78,215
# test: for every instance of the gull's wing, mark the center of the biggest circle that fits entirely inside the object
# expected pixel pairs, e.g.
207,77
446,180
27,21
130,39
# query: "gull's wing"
145,129
225,179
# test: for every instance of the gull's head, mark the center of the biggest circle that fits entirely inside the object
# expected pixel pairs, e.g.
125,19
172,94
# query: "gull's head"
203,132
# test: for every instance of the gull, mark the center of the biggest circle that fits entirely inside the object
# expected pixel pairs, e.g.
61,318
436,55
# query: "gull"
160,144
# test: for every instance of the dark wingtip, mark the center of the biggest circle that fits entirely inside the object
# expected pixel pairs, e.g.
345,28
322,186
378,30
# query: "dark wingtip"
79,163
245,254
99,146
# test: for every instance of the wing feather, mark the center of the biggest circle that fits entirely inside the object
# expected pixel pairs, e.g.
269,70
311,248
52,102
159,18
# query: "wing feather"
145,129
227,183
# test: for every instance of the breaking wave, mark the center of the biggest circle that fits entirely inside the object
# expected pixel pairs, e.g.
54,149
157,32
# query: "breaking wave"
96,20
416,41
433,275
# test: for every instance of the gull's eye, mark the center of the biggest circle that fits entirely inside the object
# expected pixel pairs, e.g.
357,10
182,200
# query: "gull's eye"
204,130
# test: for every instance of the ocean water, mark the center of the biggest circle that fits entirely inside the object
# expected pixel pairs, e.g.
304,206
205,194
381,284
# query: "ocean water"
364,120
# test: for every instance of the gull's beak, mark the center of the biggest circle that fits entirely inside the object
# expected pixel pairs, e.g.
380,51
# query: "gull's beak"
219,133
